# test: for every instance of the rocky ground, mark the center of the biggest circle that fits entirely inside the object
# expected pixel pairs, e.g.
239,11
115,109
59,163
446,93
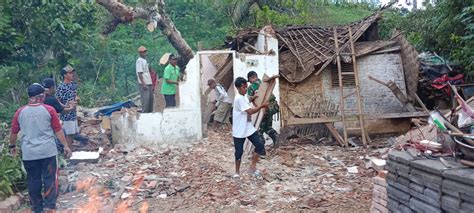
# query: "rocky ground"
297,176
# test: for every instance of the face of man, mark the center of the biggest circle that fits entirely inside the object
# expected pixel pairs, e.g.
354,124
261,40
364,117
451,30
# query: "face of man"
69,76
243,89
143,54
212,85
173,62
253,79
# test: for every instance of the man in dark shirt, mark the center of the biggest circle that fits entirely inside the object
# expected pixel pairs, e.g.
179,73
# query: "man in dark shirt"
50,89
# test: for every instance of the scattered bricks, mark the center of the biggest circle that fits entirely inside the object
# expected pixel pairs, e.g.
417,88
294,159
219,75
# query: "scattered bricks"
453,204
427,177
398,186
416,187
462,175
425,198
379,181
397,194
10,204
400,156
380,189
430,166
420,206
456,189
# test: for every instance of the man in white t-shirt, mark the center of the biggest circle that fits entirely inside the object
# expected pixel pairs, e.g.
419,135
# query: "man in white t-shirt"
144,81
243,128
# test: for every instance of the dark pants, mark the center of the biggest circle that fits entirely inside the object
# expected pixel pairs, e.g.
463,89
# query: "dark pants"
147,98
254,139
170,100
42,172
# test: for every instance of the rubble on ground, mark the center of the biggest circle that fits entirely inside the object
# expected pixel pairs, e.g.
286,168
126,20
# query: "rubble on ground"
296,176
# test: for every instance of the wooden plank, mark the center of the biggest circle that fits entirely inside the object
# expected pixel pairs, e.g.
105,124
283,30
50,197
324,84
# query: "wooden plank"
335,133
297,121
341,86
359,99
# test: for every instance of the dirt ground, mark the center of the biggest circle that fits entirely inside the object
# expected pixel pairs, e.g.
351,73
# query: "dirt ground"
297,176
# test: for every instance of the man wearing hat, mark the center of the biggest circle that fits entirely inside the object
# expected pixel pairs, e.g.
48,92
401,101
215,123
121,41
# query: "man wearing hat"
66,93
144,81
170,81
223,104
40,126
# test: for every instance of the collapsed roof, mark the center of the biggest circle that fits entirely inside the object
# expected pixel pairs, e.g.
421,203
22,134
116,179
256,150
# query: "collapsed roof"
306,50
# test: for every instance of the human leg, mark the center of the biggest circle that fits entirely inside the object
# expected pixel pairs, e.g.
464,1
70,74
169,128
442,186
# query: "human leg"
259,149
33,175
239,150
49,167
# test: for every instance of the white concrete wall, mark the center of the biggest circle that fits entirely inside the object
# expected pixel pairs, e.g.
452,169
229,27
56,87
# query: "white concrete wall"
261,64
175,125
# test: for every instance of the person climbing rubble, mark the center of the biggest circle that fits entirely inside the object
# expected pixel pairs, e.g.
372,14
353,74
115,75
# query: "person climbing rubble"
39,125
266,124
243,128
223,103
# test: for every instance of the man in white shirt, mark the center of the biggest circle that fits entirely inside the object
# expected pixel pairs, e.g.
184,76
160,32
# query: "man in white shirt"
223,103
243,128
144,81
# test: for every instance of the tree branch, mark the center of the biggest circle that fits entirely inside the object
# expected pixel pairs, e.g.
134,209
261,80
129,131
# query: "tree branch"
125,14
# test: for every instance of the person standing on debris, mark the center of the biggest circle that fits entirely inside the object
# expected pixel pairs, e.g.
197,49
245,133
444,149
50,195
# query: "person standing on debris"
39,125
66,93
266,124
243,128
49,99
144,80
223,103
170,81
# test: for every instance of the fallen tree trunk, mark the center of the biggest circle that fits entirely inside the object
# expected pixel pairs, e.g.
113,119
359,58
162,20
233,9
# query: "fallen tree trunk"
156,16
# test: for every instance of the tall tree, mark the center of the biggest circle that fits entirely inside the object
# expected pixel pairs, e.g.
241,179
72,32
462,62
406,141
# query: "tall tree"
155,14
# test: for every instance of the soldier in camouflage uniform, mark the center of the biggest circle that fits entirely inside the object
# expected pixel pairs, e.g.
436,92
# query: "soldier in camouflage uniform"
266,125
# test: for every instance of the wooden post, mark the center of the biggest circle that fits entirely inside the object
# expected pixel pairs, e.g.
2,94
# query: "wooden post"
341,87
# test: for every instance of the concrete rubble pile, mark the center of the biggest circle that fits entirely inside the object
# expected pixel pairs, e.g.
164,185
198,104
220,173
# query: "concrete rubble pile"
426,185
296,176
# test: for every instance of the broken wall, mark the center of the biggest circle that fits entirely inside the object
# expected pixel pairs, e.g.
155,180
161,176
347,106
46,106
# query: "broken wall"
264,63
178,125
377,99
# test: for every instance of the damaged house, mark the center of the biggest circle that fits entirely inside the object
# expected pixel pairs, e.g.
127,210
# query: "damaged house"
310,92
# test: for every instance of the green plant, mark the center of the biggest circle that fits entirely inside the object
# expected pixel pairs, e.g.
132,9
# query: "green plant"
12,178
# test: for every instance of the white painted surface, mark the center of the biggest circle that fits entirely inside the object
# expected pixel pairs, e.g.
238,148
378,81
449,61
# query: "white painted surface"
173,126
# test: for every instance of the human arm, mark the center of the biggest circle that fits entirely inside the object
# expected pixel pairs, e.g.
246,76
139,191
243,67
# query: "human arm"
58,130
15,129
271,78
140,67
168,74
254,110
62,139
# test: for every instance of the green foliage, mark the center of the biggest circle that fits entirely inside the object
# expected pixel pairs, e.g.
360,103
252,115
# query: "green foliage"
12,178
447,29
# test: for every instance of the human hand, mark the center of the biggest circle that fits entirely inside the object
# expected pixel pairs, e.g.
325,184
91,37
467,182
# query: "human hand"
13,152
265,105
67,152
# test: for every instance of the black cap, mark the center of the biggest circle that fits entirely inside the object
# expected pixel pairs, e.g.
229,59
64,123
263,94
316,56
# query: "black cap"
251,74
48,83
35,89
173,57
